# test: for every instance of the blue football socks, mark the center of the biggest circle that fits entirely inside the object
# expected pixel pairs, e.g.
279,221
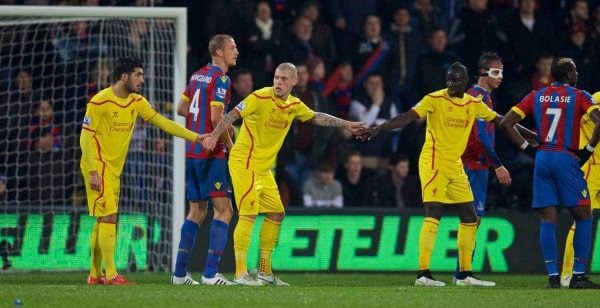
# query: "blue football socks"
218,239
548,245
582,244
186,244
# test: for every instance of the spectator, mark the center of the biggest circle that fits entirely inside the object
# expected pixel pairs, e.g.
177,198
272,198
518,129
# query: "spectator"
3,192
262,40
542,76
529,35
100,78
43,118
242,84
406,43
322,35
322,190
45,179
397,188
305,146
475,30
373,108
432,65
338,88
583,52
370,53
425,14
299,47
357,183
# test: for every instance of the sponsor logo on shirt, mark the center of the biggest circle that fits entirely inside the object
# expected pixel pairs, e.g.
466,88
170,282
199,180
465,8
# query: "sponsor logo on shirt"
87,121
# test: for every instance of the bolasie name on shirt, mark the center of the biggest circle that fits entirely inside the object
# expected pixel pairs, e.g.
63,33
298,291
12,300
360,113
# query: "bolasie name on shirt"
554,99
201,78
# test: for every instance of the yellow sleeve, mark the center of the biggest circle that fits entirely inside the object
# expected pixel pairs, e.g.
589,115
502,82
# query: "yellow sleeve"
424,107
172,128
303,113
248,105
482,111
91,120
596,97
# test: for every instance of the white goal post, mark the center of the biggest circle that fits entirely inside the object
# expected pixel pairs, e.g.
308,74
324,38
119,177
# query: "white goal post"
165,72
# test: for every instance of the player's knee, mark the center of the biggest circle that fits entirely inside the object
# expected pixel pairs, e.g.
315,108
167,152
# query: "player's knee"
276,216
112,218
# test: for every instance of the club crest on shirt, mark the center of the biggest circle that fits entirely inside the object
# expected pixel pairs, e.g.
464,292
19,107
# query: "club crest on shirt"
223,79
87,121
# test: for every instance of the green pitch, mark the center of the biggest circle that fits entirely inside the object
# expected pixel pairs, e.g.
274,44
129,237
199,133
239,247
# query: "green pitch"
308,290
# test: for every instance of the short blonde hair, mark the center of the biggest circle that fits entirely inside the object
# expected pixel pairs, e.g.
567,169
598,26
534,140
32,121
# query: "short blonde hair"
217,42
287,66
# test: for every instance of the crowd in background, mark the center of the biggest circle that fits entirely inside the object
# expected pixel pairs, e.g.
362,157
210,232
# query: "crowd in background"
364,60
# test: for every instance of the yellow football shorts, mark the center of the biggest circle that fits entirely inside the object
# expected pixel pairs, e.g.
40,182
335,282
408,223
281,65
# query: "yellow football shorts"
592,177
254,192
105,202
444,181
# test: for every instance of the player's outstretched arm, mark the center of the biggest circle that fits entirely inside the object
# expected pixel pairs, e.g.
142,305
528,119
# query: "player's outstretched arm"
209,141
398,121
172,127
323,119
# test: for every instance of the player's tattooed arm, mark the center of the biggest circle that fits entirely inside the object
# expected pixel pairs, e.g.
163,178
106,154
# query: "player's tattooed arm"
210,140
323,119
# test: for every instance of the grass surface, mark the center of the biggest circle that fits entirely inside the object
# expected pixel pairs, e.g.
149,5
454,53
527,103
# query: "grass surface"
315,290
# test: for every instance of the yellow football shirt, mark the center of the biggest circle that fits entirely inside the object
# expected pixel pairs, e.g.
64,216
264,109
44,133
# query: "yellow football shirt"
449,123
591,169
108,126
266,121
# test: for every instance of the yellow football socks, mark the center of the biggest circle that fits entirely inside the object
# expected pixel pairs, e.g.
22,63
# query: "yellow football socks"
466,244
96,253
426,241
107,238
269,233
569,257
241,242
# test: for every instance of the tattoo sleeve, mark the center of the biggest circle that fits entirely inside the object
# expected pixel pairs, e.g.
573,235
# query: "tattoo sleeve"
226,122
323,119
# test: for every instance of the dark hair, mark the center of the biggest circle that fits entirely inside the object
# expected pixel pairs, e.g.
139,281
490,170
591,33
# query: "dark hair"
350,154
486,58
238,72
434,29
126,65
544,55
458,66
561,67
398,158
326,166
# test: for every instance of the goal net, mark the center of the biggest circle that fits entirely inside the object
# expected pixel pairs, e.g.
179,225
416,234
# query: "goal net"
52,61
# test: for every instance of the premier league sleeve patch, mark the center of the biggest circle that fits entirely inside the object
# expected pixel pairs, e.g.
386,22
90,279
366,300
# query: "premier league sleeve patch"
221,93
241,106
87,121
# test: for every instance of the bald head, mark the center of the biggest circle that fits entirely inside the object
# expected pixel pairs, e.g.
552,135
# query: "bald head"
288,67
286,77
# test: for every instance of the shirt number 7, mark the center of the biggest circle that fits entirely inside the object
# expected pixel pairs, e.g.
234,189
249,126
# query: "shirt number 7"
555,113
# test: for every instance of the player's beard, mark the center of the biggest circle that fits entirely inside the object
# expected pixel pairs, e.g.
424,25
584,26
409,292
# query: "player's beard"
131,89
